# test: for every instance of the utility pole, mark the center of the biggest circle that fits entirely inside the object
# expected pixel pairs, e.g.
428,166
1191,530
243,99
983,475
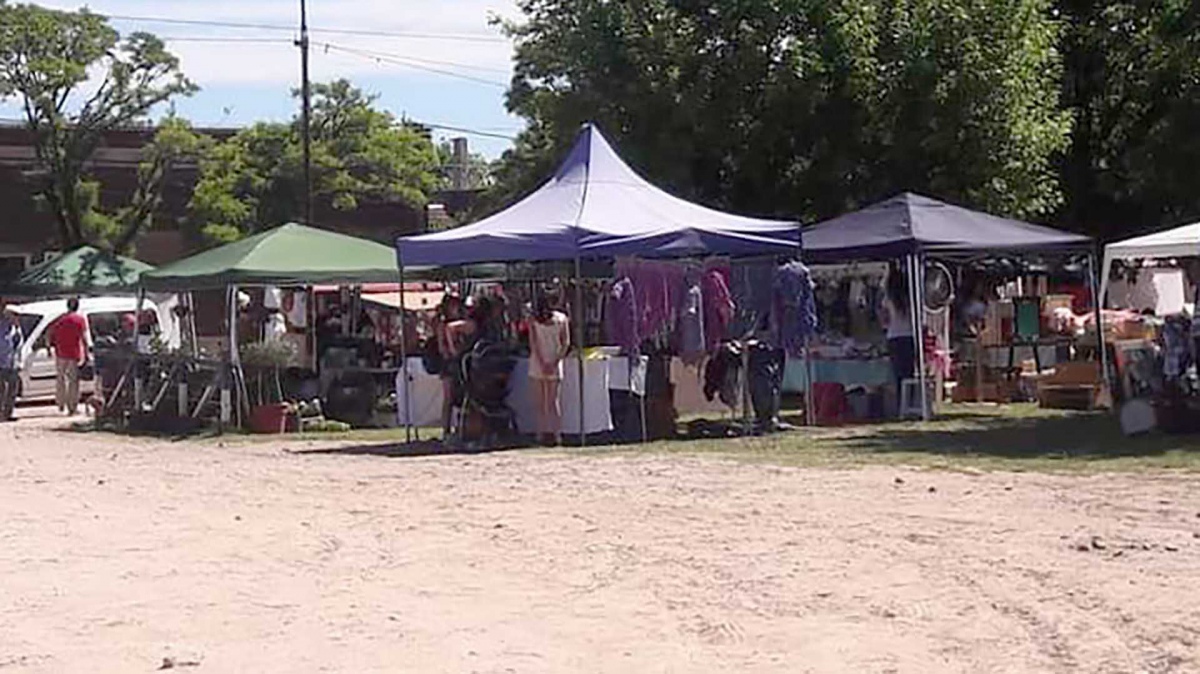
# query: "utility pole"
306,113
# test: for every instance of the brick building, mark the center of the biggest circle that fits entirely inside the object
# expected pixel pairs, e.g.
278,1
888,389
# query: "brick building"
28,233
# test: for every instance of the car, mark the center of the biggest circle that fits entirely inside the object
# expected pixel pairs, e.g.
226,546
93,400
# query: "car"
104,316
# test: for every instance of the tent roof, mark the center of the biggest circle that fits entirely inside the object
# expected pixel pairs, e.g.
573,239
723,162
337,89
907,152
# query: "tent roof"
910,223
82,271
1179,242
596,206
288,255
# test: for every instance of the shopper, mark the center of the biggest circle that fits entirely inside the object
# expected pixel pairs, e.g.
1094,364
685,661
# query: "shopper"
453,332
11,341
901,345
549,341
69,338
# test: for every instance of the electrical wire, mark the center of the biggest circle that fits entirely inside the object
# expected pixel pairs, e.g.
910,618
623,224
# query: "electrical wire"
409,63
240,40
470,132
462,37
406,57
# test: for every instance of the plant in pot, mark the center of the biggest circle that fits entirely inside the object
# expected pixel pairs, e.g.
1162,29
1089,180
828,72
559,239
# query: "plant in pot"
263,362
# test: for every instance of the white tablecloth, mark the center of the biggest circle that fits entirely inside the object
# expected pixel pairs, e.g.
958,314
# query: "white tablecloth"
597,417
425,410
426,407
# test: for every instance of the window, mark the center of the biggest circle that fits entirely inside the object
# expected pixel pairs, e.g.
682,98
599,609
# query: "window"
28,323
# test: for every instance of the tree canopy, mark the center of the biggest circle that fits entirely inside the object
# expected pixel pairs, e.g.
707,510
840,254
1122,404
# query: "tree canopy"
255,180
76,79
801,107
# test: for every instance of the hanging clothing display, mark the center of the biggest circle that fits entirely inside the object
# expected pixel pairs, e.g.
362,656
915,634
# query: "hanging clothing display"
718,305
750,284
621,317
691,343
795,307
652,283
295,308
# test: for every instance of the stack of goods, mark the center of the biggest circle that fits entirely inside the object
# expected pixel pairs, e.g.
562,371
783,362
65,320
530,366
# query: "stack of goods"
1071,385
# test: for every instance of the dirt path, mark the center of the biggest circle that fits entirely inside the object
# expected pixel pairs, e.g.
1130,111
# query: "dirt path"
117,554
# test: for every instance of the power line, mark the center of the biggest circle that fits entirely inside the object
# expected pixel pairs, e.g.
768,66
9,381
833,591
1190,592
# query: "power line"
461,37
199,38
409,63
406,57
470,132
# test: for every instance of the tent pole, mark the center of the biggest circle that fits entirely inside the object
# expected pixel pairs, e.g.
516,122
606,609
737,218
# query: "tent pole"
1098,308
137,332
910,265
235,363
191,325
404,361
579,346
919,285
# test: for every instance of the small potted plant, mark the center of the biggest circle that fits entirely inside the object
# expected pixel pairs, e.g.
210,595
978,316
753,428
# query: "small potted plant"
264,361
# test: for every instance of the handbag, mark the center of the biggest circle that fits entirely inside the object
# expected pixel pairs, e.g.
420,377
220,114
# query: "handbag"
87,372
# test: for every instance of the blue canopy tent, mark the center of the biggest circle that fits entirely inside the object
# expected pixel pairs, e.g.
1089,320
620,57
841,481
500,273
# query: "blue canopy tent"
911,224
913,227
596,207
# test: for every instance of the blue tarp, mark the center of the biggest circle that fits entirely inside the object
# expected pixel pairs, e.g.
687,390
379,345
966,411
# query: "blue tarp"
596,206
911,223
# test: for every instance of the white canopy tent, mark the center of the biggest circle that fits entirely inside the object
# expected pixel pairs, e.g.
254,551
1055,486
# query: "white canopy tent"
1179,242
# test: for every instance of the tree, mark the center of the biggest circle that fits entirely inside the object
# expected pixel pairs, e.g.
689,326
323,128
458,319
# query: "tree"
255,180
1133,83
800,107
76,79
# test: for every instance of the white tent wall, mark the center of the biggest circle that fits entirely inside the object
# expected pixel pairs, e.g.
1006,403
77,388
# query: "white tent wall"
1179,242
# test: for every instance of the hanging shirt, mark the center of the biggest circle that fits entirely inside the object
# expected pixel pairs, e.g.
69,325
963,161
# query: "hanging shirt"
718,307
295,306
691,326
621,317
899,322
795,307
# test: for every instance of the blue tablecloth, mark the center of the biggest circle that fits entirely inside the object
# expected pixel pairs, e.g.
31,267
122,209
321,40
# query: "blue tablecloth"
877,372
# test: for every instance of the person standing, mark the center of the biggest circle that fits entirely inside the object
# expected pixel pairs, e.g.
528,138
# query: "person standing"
69,338
902,346
454,332
11,341
549,341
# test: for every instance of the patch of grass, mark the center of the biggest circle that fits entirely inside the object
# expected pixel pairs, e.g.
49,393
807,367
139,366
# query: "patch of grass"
964,437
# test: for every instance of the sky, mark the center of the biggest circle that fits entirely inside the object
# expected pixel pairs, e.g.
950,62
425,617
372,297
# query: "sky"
441,63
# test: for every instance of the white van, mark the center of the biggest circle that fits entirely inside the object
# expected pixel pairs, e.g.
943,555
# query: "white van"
104,316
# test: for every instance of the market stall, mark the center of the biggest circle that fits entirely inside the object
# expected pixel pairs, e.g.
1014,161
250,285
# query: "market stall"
271,319
932,244
1150,291
596,208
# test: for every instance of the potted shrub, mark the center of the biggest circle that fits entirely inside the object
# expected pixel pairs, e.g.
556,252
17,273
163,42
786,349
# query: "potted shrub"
263,362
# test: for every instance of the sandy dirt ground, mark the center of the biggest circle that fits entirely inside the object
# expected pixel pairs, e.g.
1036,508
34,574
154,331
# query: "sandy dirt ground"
127,556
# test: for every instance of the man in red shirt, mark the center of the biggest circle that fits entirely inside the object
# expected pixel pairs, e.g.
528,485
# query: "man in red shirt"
69,337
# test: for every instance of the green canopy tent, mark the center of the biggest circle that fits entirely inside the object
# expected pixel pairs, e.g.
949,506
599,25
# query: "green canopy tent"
290,255
82,271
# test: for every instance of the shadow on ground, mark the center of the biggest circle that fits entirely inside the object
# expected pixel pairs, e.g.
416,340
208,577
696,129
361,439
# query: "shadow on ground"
401,450
1095,436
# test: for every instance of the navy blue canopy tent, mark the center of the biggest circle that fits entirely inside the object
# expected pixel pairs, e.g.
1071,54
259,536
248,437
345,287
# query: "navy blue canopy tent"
910,224
596,206
912,227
